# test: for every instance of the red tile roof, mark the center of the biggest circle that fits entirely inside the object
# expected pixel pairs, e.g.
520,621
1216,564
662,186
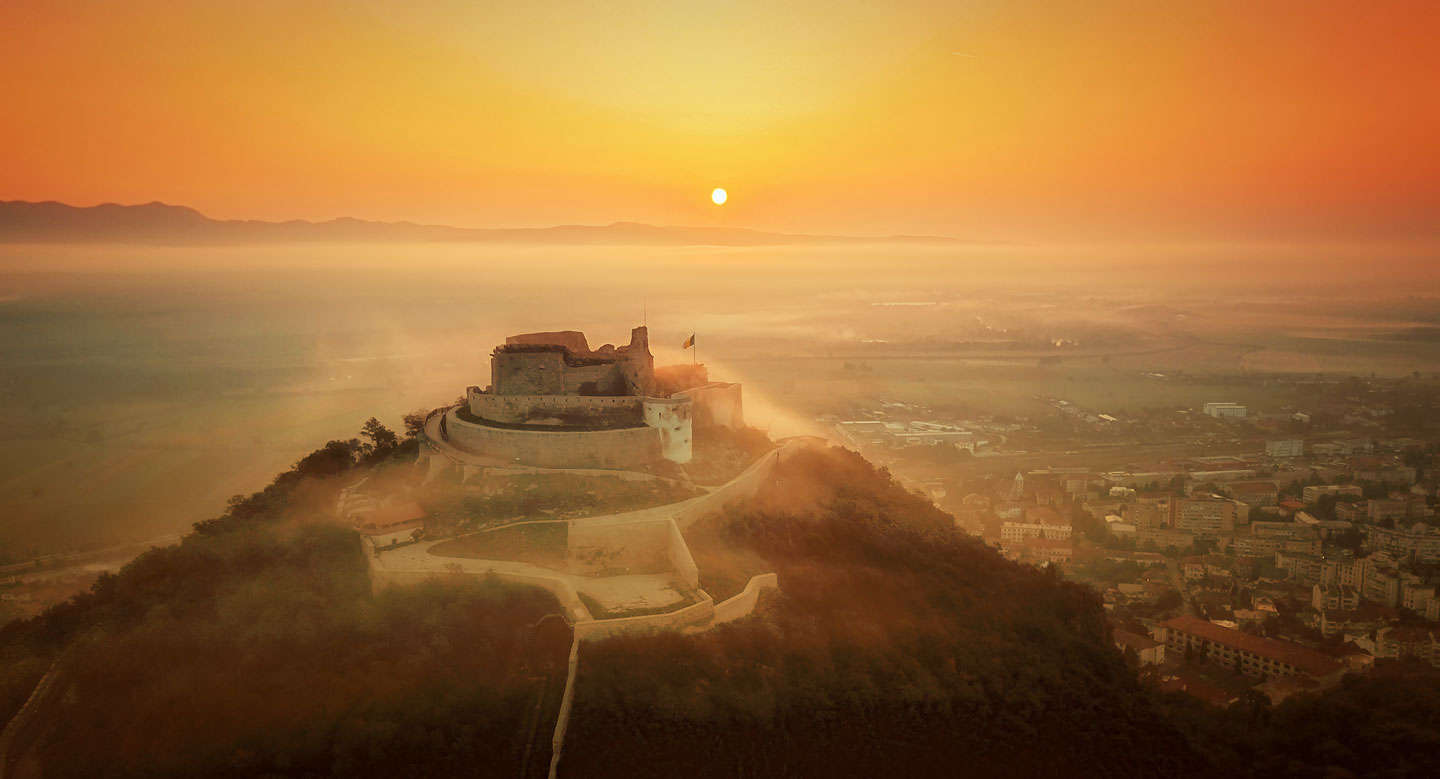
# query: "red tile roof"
1045,515
1135,641
1305,660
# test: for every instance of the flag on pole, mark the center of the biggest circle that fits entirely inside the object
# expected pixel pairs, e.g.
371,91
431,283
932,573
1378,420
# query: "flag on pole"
689,342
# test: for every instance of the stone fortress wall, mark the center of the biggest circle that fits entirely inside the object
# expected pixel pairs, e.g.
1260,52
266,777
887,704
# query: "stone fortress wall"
605,406
563,364
715,403
622,448
557,410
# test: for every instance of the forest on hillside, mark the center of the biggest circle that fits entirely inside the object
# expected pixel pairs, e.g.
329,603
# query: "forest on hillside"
897,646
900,647
256,648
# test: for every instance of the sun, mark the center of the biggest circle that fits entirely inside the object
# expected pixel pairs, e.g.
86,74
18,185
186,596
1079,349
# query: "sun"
719,196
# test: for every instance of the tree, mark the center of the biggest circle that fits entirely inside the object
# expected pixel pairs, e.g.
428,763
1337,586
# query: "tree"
414,423
1169,599
382,439
333,458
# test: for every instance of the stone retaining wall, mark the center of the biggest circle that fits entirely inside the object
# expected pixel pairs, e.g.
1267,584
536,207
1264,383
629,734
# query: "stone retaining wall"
696,614
742,605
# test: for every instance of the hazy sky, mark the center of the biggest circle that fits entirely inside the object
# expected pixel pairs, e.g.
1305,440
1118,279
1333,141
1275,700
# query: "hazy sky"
1208,119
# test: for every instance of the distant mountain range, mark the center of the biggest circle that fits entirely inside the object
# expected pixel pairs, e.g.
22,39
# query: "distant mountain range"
160,223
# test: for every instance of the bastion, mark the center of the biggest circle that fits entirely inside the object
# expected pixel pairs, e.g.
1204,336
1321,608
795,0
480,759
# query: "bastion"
553,402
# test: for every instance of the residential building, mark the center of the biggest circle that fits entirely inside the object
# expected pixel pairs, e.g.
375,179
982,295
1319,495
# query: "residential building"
1149,651
1288,447
1036,522
1407,507
1416,598
1334,597
1045,550
1302,568
1252,655
1381,584
1164,538
1420,540
1254,546
1225,410
1343,572
1254,493
1205,516
1421,643
1313,493
1358,621
1009,510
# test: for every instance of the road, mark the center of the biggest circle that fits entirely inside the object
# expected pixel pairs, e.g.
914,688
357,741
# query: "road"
1173,566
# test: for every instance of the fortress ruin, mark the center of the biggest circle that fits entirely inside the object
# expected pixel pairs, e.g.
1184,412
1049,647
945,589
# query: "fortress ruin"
553,402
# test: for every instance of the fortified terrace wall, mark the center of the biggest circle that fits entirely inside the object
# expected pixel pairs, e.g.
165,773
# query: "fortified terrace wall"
553,402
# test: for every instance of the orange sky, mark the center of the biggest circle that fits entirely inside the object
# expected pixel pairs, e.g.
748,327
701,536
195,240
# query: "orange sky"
1190,119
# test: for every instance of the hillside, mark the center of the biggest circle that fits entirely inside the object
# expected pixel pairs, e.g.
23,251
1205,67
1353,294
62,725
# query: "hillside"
896,646
160,223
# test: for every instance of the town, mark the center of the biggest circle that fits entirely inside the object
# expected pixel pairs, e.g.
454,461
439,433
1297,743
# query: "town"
1237,551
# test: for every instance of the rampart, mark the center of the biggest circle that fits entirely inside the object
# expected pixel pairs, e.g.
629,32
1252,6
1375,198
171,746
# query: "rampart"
620,448
557,410
717,403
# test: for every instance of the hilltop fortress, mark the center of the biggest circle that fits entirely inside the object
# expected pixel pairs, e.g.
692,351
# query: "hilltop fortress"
553,402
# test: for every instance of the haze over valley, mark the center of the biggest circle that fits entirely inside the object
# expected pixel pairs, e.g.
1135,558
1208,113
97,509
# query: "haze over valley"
636,389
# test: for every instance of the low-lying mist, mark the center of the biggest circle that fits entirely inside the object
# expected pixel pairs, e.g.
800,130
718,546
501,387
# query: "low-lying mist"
142,386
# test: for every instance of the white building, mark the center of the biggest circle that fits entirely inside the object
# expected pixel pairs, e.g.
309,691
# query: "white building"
1225,410
1287,447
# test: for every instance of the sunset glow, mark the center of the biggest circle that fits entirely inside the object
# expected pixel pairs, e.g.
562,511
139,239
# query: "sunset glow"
1196,119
